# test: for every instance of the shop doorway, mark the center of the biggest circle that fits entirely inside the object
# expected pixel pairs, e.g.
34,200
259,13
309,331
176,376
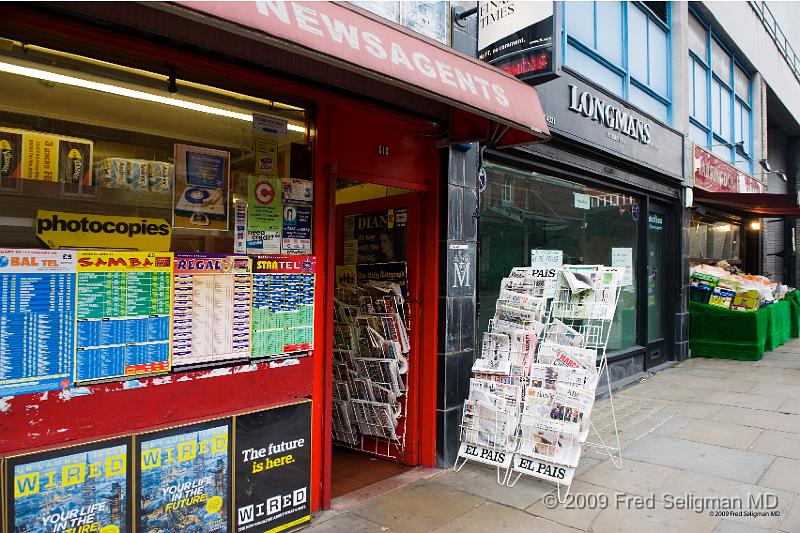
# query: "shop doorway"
660,261
376,344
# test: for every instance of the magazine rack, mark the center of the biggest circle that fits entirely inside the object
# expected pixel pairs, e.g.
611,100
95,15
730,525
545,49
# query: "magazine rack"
570,314
370,371
583,321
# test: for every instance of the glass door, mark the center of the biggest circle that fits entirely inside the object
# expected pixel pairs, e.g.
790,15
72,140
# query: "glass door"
660,259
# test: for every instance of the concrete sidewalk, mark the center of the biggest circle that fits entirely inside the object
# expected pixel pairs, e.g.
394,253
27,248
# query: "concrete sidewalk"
706,428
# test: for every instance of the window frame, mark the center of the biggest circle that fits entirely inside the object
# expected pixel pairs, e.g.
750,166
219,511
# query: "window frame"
623,70
712,138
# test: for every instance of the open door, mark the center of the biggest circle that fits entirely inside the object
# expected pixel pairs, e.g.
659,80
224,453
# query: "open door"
376,344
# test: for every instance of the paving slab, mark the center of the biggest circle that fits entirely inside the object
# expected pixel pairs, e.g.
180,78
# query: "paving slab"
718,433
482,481
665,391
707,493
781,363
418,508
759,419
491,516
791,522
635,477
574,512
783,474
726,463
790,406
694,409
694,370
740,399
626,519
729,526
778,443
780,390
344,522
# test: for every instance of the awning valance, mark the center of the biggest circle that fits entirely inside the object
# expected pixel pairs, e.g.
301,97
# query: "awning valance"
488,104
751,204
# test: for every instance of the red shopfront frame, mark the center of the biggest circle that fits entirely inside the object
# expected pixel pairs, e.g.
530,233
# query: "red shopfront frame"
109,410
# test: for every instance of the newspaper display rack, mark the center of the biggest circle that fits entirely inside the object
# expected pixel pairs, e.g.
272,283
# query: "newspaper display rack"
546,351
370,368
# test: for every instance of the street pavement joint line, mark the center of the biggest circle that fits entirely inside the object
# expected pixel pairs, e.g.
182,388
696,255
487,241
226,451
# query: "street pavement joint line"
654,428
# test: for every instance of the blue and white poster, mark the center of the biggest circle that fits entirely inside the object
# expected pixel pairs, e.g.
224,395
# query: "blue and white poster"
296,229
81,489
37,320
184,479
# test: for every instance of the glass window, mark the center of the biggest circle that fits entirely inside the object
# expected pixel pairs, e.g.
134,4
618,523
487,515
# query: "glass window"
580,20
698,135
699,91
600,28
721,110
508,188
637,33
609,31
742,124
720,62
741,83
698,38
658,58
594,70
585,231
712,240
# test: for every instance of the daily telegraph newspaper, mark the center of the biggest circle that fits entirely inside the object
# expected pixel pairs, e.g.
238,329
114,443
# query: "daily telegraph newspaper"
553,440
569,356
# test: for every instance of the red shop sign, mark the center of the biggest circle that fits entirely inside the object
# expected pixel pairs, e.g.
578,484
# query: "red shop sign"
345,35
712,174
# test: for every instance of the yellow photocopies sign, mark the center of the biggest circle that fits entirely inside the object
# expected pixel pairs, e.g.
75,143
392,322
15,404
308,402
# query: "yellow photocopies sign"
81,230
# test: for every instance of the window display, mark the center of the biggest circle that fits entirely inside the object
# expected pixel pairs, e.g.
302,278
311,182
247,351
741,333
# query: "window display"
133,181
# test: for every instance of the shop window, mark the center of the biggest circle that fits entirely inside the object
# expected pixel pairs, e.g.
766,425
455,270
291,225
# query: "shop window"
727,124
624,47
586,223
712,240
90,142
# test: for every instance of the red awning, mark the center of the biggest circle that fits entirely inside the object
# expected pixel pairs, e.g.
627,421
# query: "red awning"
751,204
488,104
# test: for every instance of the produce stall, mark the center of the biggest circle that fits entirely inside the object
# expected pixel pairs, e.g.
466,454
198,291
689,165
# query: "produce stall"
739,316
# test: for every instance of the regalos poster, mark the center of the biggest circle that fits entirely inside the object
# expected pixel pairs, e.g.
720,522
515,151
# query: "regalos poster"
184,477
76,490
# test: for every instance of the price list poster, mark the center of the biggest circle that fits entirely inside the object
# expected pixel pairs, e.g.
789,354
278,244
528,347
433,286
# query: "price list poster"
211,311
37,320
124,314
283,305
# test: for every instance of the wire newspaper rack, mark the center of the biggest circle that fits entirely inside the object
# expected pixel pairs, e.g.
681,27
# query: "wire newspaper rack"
370,369
566,315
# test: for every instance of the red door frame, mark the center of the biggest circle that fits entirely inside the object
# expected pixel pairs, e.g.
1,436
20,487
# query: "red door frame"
62,33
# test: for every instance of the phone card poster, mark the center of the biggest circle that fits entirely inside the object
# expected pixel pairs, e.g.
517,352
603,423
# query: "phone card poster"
184,479
82,489
124,316
37,320
283,305
273,469
211,310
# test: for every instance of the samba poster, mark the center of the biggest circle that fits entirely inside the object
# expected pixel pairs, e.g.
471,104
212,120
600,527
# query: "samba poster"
183,476
81,489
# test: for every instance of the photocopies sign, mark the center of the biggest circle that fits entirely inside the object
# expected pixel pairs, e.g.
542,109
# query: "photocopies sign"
518,37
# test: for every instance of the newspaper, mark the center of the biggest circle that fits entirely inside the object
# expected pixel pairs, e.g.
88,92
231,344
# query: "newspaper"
495,355
548,376
553,440
560,333
564,403
491,412
570,356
